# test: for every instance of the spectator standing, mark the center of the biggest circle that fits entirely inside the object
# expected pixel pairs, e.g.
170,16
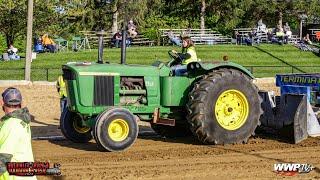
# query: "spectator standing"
238,37
286,27
48,43
261,27
287,32
61,88
15,132
255,36
12,53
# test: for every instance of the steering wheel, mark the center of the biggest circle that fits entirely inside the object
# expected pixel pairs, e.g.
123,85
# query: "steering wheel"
176,59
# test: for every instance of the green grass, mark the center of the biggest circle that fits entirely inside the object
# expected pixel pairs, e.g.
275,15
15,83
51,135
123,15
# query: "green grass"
263,55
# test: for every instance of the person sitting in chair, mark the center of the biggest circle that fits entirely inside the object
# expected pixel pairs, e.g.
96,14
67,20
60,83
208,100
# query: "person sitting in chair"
306,39
173,38
38,47
116,39
280,35
12,53
132,29
182,59
48,43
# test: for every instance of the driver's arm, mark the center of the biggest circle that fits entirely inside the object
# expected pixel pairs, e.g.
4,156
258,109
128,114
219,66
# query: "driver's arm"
184,55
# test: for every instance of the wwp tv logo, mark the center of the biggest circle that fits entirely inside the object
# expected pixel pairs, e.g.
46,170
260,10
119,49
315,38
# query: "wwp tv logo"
291,169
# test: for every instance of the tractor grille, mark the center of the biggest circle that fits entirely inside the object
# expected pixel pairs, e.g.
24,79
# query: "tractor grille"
103,90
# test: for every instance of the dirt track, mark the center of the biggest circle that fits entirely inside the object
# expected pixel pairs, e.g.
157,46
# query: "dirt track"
153,157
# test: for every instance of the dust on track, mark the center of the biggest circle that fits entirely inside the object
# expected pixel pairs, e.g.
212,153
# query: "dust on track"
154,157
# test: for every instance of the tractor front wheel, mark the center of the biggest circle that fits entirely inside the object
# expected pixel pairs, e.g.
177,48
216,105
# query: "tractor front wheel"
224,107
115,129
72,129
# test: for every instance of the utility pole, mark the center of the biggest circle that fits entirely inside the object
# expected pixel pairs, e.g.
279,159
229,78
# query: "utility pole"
302,16
300,29
27,72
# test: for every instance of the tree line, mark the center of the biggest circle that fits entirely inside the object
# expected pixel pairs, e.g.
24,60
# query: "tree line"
66,18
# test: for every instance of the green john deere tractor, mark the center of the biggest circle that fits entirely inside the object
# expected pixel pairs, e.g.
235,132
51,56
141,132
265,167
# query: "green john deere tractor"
216,102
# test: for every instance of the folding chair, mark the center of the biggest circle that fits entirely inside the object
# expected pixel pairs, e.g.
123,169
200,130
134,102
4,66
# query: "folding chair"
80,43
5,56
62,44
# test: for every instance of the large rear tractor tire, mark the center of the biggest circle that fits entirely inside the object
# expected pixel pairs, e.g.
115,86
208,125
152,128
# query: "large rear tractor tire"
72,129
224,107
115,129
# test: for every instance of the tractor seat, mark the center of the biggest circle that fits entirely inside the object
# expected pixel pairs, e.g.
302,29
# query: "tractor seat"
158,64
192,68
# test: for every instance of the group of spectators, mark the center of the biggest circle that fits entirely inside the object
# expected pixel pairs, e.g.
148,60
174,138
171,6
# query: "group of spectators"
131,34
41,44
279,35
44,43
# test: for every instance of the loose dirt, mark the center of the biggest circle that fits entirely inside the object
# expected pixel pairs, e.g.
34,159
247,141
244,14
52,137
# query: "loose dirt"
154,157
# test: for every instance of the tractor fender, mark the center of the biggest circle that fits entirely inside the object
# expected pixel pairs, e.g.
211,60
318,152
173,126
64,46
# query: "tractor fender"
209,67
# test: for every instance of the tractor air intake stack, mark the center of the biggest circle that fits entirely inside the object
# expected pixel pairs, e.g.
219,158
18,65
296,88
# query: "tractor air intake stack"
123,46
100,46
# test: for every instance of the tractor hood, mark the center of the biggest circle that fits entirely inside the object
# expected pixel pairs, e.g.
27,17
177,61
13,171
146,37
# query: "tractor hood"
113,69
157,69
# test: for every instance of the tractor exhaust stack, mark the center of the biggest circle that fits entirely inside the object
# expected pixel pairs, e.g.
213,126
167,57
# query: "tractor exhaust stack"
100,46
123,46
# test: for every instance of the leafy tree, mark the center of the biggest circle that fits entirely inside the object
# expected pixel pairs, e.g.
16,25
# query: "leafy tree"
226,15
13,18
65,17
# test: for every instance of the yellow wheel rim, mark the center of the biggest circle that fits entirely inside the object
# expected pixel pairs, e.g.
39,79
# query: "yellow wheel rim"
231,109
80,129
118,130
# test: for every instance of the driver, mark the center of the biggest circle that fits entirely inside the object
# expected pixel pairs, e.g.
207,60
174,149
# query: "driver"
187,56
